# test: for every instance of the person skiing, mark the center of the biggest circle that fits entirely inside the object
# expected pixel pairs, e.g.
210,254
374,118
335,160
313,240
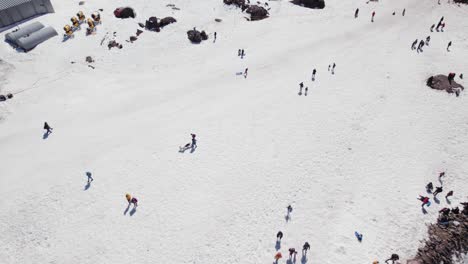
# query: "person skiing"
242,53
279,236
421,44
449,45
289,209
404,12
356,13
215,37
427,40
246,72
429,187
373,15
47,128
424,200
333,68
301,85
306,90
413,46
305,248
278,256
134,201
90,178
437,191
313,74
450,193
393,258
292,251
432,27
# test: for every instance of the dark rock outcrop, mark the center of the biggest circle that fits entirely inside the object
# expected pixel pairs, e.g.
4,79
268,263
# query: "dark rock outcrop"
461,1
257,12
441,82
239,3
196,36
310,3
447,238
154,24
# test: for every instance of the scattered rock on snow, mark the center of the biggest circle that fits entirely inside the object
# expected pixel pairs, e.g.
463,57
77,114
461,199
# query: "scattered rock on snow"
441,82
89,59
239,3
166,21
218,19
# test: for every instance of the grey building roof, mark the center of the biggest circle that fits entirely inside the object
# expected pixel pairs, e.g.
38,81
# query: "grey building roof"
5,4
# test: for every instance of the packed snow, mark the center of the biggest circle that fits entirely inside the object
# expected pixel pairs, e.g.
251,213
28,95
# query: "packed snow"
352,155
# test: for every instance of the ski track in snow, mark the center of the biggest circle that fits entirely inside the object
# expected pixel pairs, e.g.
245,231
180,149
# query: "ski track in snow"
351,156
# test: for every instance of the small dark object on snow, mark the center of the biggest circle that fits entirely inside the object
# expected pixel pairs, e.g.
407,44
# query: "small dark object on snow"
218,19
133,38
124,12
2,98
9,95
257,12
166,21
114,44
239,3
81,3
320,4
89,59
141,25
138,33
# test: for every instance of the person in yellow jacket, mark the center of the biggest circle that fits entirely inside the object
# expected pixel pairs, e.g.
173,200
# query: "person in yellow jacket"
81,16
75,22
129,197
68,30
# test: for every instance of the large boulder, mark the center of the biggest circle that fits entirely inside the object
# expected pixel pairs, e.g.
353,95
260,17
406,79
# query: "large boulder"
441,82
124,12
257,12
310,3
196,36
152,24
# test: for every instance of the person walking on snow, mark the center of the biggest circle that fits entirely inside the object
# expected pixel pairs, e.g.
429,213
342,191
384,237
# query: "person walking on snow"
277,257
373,15
134,201
437,191
305,248
246,72
356,13
413,46
279,236
129,198
242,53
427,40
442,27
292,251
313,74
404,12
90,178
333,68
432,27
215,37
442,174
449,45
194,140
306,90
450,193
393,258
420,46
424,200
47,128
289,209
429,187
239,53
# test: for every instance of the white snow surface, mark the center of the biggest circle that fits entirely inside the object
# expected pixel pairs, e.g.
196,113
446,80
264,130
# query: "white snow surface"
351,156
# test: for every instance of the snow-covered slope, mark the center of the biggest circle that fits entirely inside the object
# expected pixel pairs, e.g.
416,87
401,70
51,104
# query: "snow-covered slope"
351,156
